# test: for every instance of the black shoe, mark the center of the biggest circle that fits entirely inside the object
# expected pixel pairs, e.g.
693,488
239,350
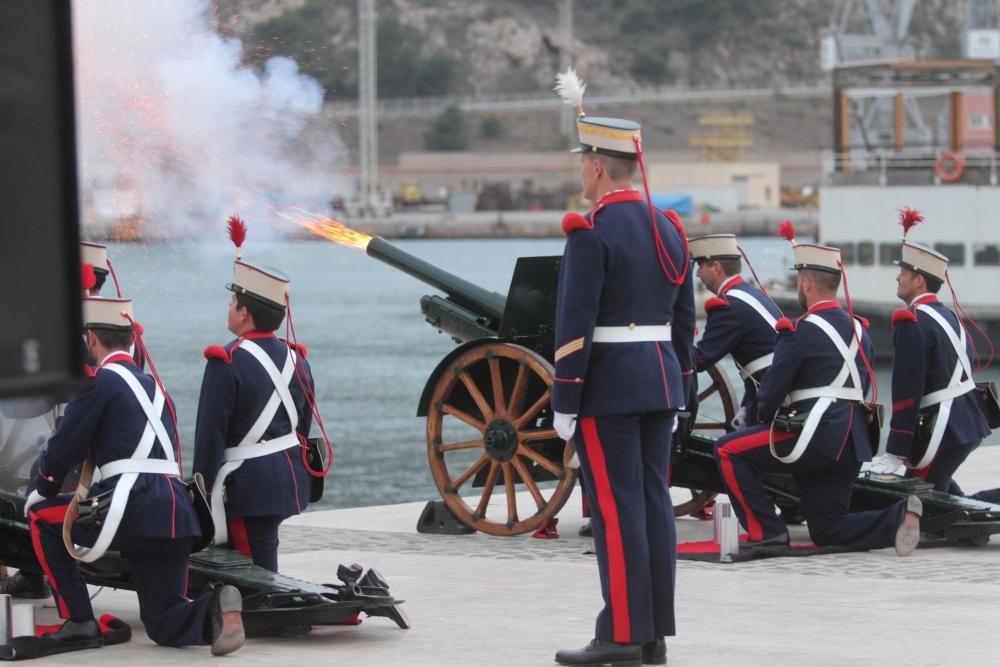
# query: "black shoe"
586,530
781,540
599,652
654,652
26,585
227,620
73,636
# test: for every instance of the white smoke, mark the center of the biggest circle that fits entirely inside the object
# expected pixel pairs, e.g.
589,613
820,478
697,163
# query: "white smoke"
174,129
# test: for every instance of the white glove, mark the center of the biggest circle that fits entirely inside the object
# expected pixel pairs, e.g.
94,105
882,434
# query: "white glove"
677,421
740,420
887,464
565,425
33,499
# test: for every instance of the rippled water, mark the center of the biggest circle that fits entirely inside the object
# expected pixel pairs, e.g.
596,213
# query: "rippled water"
370,349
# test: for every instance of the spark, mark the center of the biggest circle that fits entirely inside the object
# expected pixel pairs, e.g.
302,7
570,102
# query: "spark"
327,227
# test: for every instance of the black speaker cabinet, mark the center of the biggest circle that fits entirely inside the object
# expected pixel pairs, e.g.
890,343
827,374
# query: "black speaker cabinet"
39,219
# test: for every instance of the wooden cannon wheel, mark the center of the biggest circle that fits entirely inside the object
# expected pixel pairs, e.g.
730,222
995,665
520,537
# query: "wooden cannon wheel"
718,384
498,395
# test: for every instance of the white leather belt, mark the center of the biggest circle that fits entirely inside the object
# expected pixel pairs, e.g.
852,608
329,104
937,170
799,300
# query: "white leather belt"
636,334
755,366
942,395
150,466
263,448
843,393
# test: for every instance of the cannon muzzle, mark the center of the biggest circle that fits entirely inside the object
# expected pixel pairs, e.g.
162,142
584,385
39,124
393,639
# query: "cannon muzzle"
484,304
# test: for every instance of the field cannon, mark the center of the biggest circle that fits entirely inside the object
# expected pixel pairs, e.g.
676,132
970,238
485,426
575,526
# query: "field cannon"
489,421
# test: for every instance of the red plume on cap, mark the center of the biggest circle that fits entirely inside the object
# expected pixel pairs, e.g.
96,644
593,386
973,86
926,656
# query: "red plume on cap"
786,230
237,233
909,217
87,277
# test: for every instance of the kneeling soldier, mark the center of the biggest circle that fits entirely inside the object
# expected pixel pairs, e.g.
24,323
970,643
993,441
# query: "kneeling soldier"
254,415
740,319
121,424
818,366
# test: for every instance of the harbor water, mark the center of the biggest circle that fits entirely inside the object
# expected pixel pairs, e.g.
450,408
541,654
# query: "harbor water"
370,349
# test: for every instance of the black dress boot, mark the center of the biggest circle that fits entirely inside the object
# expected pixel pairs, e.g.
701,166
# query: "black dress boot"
73,636
781,540
26,585
599,652
654,652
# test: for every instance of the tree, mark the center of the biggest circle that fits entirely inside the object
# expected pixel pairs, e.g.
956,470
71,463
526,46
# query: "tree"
447,132
651,62
492,127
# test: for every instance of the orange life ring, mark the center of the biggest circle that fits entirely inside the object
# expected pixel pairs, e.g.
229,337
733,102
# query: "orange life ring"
949,166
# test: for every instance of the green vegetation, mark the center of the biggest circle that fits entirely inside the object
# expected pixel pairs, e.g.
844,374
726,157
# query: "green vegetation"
447,132
492,127
406,66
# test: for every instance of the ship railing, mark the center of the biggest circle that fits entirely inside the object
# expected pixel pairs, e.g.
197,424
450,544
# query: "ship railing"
908,167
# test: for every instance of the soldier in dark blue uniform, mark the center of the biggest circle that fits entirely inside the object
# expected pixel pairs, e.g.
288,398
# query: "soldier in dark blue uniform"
253,419
121,423
931,378
624,335
95,269
740,318
819,370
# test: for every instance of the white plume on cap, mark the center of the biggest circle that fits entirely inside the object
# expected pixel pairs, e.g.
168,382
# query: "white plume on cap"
570,88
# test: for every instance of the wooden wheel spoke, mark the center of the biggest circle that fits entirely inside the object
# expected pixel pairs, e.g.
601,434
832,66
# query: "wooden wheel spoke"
470,471
530,413
468,419
529,481
477,396
465,444
553,468
520,385
711,426
538,434
497,381
491,482
712,388
508,482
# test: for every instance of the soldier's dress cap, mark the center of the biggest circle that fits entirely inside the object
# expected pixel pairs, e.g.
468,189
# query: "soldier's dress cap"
261,283
96,255
714,246
101,313
923,260
607,136
817,257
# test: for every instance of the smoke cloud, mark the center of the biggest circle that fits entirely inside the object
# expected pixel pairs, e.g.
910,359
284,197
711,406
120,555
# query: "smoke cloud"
175,131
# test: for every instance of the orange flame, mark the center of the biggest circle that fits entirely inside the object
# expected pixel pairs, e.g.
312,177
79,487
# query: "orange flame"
328,228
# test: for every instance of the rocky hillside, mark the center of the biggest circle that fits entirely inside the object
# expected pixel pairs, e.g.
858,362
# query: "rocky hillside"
437,47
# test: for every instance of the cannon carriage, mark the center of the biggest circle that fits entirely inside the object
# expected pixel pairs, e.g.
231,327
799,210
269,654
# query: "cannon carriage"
487,403
489,419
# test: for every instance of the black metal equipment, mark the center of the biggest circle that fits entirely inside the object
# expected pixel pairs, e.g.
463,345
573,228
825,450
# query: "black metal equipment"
39,245
272,603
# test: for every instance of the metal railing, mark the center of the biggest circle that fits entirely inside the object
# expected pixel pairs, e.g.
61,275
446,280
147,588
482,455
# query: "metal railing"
427,106
912,166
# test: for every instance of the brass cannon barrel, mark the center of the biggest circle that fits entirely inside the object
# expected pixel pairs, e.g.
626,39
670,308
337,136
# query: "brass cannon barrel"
478,311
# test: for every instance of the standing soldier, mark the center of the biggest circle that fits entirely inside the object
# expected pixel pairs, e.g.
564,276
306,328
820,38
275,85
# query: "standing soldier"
740,319
121,423
937,416
820,368
254,415
624,333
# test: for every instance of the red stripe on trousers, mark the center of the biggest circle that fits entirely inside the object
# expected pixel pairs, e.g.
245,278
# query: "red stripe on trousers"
238,536
735,446
53,515
606,505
